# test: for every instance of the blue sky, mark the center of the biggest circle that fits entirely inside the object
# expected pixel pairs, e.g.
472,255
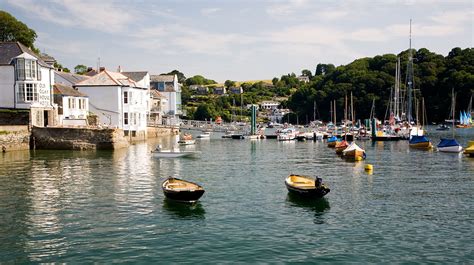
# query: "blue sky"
238,40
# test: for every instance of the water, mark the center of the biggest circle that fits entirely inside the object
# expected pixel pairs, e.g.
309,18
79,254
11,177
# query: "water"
71,206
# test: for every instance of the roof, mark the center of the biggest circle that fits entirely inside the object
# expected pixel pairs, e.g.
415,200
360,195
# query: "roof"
91,73
107,78
72,78
162,78
10,50
135,76
60,89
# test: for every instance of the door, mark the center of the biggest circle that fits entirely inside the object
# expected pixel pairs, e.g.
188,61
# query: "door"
45,118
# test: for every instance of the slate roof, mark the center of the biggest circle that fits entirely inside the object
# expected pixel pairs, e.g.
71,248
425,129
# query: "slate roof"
10,50
107,78
72,78
135,76
60,89
162,78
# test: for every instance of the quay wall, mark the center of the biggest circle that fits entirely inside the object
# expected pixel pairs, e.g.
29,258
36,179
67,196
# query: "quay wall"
14,137
14,117
77,138
154,132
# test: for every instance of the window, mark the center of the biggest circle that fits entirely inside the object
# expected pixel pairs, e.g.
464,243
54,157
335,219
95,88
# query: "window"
161,86
31,92
130,97
21,92
72,103
82,103
125,118
125,97
20,69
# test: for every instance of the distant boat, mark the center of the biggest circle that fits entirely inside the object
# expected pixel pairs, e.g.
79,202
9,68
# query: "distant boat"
450,145
340,146
306,186
287,134
166,153
186,139
182,190
354,152
332,141
204,135
469,149
442,127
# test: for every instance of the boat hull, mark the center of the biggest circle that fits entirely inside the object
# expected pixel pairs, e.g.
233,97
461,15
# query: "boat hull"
307,192
186,142
355,155
181,190
421,145
173,154
450,149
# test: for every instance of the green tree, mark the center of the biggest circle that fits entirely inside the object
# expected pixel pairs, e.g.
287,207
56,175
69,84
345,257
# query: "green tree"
229,83
80,69
12,29
181,77
307,73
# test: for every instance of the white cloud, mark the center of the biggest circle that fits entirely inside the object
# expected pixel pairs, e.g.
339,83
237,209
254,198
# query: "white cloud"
286,8
99,15
209,11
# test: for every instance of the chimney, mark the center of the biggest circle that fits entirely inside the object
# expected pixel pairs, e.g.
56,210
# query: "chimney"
119,69
101,69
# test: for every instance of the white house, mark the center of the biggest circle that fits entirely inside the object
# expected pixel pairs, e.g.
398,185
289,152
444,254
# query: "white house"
169,87
73,106
118,101
26,82
278,114
269,105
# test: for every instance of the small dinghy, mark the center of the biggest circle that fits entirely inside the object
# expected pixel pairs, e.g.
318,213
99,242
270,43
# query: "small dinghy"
182,190
186,139
306,186
166,153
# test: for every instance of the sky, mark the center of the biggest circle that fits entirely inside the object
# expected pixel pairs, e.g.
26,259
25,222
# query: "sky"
239,40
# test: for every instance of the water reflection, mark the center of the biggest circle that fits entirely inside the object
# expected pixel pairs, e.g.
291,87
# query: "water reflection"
318,206
184,210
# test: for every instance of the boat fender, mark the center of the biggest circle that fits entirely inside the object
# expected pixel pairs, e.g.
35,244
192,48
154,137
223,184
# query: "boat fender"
369,167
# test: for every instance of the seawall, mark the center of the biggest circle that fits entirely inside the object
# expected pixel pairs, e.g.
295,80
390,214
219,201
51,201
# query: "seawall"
153,132
78,139
14,137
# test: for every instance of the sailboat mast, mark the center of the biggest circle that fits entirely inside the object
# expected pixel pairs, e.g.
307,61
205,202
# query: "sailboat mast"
453,106
409,81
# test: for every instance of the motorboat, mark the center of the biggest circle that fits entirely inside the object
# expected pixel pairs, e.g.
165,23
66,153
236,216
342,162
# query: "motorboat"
168,153
204,135
182,190
306,186
442,127
287,134
341,146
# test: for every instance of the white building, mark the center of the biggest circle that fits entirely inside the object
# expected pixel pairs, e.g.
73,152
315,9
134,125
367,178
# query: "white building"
278,114
73,106
118,101
303,78
169,87
26,82
269,105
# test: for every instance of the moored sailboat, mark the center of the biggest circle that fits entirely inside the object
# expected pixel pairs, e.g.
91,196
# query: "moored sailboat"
450,145
354,152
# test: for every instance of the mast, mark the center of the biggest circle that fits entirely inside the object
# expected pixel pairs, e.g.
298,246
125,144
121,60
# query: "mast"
396,102
409,81
453,105
314,110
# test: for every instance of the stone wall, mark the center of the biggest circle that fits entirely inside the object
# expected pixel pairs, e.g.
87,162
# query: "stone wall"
14,138
78,139
14,117
153,132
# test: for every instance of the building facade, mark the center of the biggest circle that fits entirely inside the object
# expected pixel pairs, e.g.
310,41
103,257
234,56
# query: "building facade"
73,106
169,87
118,101
26,82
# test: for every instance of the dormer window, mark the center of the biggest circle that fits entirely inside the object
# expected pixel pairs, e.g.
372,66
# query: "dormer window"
27,69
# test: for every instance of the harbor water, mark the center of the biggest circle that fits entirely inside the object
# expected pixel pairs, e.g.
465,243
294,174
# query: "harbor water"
106,207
